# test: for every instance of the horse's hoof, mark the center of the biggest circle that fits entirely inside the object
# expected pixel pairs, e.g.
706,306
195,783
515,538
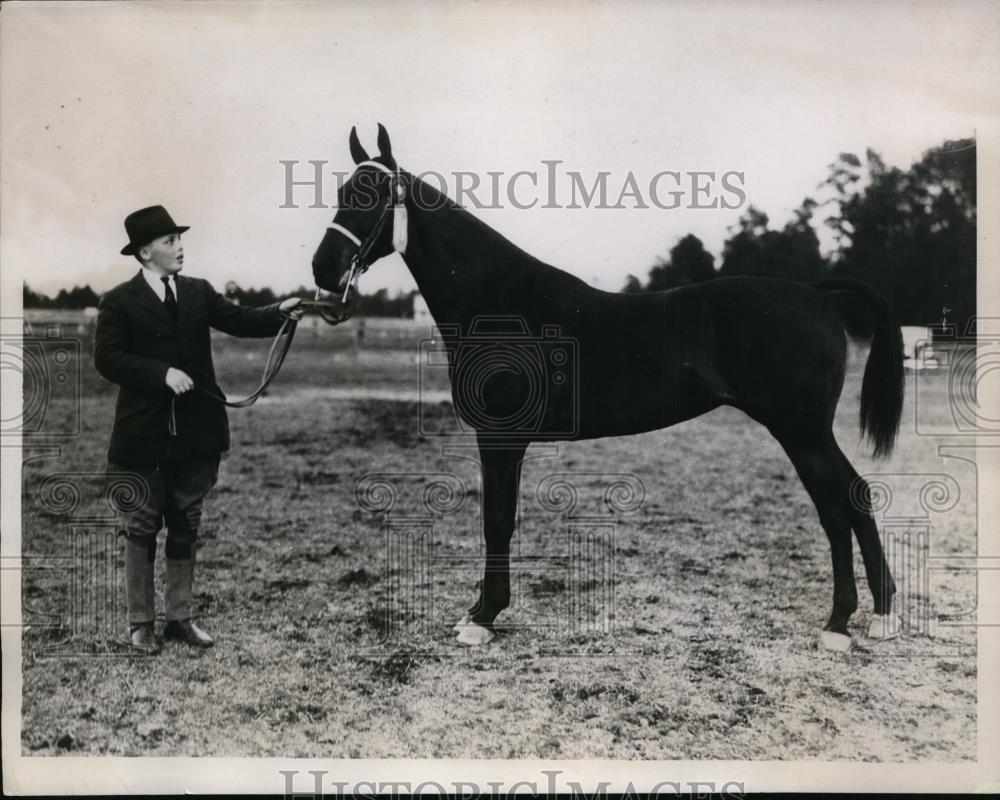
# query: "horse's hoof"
473,635
837,642
462,623
887,626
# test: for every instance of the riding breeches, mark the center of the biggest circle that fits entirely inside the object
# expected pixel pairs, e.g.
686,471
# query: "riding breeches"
173,495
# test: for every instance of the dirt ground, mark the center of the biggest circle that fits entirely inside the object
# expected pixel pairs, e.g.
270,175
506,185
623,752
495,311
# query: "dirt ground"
674,615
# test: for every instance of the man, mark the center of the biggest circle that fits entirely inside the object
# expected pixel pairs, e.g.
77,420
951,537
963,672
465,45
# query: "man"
153,341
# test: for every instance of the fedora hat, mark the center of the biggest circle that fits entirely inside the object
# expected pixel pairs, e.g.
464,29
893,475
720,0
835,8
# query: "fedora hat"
146,224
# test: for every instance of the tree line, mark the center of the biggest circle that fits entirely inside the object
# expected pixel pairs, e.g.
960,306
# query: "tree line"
376,304
77,297
911,234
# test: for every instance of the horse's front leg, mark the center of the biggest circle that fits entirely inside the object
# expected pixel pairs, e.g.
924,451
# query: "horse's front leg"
501,478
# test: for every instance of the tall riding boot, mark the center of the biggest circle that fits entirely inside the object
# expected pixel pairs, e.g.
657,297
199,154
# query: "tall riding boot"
140,598
180,585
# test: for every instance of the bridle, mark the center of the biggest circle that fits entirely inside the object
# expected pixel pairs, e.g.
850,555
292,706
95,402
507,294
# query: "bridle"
331,313
360,261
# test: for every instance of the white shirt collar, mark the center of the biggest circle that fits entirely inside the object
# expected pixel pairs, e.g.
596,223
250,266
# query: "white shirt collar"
157,285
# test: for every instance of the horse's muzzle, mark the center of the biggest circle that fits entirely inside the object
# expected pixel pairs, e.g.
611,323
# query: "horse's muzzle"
331,263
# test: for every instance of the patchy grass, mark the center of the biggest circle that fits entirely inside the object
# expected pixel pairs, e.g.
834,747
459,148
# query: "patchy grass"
697,640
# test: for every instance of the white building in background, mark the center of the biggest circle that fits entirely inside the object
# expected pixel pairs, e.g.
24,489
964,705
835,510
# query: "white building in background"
918,350
421,313
422,318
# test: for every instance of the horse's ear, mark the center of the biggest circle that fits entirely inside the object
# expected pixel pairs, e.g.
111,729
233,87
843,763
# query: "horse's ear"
384,146
357,151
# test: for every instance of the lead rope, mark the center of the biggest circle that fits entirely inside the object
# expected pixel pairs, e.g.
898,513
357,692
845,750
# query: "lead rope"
329,312
275,358
276,355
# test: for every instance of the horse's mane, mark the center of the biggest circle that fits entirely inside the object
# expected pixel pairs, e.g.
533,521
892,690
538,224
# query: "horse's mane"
492,248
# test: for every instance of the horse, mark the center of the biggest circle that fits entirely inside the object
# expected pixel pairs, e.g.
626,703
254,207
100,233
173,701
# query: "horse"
774,349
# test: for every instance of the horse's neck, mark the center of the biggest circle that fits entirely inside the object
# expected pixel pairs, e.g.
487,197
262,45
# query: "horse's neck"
456,259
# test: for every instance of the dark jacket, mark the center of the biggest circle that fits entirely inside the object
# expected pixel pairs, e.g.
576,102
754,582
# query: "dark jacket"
136,341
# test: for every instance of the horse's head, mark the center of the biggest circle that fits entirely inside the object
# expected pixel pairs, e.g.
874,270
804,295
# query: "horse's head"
370,221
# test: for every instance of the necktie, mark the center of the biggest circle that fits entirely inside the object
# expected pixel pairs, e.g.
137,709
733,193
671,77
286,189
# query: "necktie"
169,300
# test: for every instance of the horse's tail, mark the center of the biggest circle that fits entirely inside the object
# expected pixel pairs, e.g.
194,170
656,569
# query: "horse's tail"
884,381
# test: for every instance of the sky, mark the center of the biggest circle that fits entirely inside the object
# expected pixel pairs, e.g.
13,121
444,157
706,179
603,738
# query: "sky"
111,107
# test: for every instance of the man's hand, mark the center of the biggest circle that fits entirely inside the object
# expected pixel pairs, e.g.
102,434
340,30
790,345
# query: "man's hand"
179,381
290,308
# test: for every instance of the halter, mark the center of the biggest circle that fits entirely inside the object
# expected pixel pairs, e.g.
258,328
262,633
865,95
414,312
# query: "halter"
359,261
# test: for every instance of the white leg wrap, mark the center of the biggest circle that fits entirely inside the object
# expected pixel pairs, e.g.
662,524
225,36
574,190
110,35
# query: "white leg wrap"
837,642
888,626
462,623
473,635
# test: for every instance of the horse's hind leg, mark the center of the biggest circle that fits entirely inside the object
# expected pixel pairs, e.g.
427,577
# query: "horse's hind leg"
884,624
820,467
